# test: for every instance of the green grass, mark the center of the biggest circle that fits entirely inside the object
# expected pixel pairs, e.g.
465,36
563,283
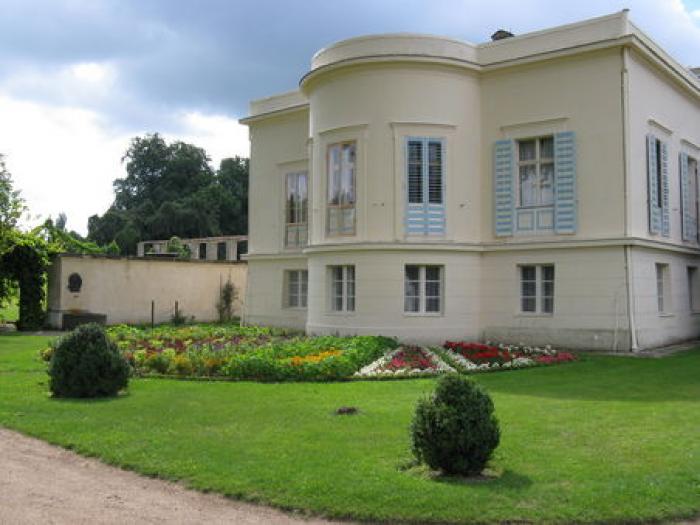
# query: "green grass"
605,439
10,310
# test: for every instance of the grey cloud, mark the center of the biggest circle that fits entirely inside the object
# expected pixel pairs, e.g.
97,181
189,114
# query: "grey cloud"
216,55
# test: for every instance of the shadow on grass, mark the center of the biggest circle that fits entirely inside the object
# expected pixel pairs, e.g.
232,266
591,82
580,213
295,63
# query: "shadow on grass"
507,480
89,400
489,479
606,378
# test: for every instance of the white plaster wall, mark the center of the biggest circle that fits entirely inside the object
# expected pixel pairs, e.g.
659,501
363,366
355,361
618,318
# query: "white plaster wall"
379,308
590,302
278,145
580,94
379,106
678,323
658,105
123,288
265,297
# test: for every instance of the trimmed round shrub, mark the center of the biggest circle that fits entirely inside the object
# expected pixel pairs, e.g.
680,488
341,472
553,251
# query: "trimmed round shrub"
86,363
455,429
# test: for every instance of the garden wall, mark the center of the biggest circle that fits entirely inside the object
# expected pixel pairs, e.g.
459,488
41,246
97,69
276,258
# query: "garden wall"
123,288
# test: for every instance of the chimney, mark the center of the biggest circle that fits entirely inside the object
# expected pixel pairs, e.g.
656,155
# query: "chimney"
501,34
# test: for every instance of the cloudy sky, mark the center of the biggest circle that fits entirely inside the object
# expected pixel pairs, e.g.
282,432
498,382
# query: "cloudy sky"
79,78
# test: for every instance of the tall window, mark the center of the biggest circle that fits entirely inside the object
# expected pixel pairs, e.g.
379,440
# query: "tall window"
342,288
425,186
202,250
693,289
220,251
341,189
425,178
296,228
663,288
659,178
241,249
693,193
536,171
537,288
297,286
423,289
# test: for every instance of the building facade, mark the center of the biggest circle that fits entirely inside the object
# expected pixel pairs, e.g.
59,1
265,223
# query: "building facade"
540,188
224,248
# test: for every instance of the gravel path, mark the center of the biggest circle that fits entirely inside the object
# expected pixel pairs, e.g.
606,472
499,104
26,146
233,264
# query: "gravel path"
42,483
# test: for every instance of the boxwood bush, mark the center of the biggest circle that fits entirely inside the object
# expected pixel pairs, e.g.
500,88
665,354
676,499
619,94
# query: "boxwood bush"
455,429
86,363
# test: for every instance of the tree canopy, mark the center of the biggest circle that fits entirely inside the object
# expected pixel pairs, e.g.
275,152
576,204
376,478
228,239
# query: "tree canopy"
11,206
169,190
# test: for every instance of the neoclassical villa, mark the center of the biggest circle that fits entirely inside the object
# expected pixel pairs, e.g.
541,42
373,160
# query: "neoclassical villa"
537,188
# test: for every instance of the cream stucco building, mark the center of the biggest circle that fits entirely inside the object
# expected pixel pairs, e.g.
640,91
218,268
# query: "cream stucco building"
539,188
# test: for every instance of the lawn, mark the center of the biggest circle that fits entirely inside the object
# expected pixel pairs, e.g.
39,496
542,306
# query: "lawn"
602,439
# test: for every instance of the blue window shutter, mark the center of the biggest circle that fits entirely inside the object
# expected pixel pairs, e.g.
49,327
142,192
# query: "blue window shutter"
688,226
653,185
435,186
503,188
665,216
565,182
425,184
415,187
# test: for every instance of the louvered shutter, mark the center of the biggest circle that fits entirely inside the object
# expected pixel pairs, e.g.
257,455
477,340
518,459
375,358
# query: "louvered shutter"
688,224
425,185
415,213
435,184
503,188
653,186
565,182
665,216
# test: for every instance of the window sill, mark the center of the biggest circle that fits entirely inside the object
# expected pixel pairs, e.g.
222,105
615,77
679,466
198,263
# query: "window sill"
666,314
534,314
423,314
293,308
340,235
536,207
336,313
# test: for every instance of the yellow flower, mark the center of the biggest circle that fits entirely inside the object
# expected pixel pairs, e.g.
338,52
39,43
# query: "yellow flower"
315,358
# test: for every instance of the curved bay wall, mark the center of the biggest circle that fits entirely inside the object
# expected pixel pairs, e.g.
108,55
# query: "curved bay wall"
378,106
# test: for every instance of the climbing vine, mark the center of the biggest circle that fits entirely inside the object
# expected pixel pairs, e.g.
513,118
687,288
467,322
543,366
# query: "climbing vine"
23,265
25,262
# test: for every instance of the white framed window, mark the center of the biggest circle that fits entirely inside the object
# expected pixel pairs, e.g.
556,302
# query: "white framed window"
296,288
537,288
693,289
663,288
296,213
536,172
423,289
342,288
341,189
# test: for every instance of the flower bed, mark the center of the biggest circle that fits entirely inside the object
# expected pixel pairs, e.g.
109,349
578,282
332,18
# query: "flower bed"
406,361
476,357
252,353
